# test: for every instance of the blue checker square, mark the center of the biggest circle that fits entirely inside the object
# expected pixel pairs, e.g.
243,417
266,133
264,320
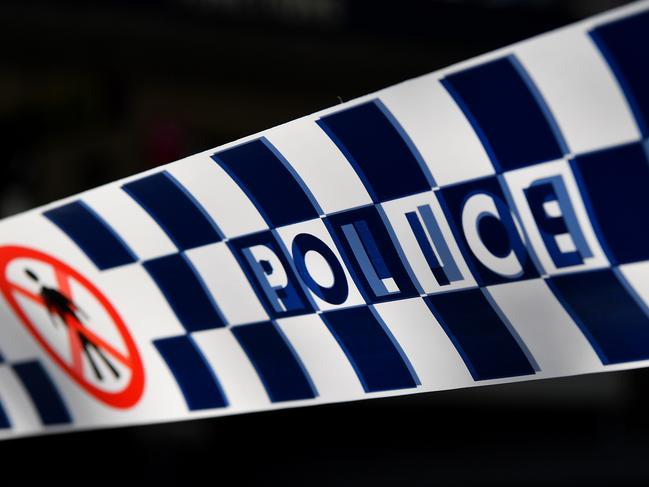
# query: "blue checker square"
4,419
379,150
279,368
495,235
615,186
270,182
92,234
185,292
197,382
613,319
376,356
182,218
507,113
488,346
43,392
624,44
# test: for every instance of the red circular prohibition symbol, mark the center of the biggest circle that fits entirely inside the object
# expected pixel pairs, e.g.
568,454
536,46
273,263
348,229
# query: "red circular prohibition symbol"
78,334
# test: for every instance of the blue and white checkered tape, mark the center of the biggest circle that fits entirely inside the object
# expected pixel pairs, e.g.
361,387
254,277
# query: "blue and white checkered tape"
484,224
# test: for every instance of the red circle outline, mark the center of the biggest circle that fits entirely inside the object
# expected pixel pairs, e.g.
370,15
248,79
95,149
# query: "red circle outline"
122,399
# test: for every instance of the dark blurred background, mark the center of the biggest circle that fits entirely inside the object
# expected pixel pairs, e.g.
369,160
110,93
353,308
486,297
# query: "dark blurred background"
93,92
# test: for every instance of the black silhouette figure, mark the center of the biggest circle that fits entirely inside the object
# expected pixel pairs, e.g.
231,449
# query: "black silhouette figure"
58,304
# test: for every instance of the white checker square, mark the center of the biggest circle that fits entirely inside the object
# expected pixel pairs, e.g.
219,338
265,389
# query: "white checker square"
227,283
438,128
323,168
434,358
580,90
552,337
16,403
140,303
636,276
241,384
130,221
326,363
160,399
220,196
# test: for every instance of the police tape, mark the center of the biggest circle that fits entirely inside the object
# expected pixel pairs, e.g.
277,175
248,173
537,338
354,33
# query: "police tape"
484,224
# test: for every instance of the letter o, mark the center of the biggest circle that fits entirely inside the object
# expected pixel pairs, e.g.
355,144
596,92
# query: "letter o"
335,294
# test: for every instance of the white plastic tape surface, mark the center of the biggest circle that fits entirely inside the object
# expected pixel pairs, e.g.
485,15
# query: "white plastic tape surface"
487,223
